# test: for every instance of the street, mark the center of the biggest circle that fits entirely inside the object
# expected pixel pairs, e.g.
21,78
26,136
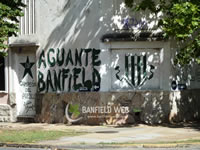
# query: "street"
103,148
14,148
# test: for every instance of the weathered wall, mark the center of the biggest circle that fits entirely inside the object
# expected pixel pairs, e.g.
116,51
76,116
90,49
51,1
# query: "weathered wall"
7,107
5,110
67,54
123,68
187,77
154,107
22,81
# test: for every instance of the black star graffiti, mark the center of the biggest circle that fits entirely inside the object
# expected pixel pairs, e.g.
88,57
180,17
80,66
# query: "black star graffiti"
27,65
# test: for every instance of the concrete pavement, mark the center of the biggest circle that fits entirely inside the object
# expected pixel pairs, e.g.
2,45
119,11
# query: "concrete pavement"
128,135
112,136
93,148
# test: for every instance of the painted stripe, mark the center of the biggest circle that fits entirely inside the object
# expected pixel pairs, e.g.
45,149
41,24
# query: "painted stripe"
145,65
138,70
126,66
133,70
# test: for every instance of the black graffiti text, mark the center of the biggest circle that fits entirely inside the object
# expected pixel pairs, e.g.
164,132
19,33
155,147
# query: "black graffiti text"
71,73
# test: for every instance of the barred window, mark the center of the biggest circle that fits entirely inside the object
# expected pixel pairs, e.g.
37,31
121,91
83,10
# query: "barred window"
27,22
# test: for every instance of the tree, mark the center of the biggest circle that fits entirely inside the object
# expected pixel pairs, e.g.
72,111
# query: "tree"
180,20
10,10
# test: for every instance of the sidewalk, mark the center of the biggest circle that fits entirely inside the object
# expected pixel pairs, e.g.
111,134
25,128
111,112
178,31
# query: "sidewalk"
141,135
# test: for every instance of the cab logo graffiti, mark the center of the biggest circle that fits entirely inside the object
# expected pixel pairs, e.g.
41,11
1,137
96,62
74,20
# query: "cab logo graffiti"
27,67
137,71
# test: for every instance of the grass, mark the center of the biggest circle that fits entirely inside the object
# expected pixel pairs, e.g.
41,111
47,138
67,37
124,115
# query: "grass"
33,136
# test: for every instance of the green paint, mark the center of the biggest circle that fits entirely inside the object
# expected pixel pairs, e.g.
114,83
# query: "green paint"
51,61
69,84
88,83
95,57
42,60
69,58
41,83
117,74
57,80
139,70
78,56
87,51
133,70
65,74
49,82
60,62
76,72
139,64
96,80
144,65
126,65
27,67
151,71
136,110
66,77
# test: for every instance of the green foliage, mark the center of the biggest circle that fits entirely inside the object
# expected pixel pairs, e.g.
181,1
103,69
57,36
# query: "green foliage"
9,11
74,109
181,20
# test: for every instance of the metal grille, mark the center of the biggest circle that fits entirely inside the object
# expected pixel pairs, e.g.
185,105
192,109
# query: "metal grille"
27,22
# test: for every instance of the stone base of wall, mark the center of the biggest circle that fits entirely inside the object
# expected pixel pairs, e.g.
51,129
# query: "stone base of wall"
150,107
13,105
5,109
8,107
5,113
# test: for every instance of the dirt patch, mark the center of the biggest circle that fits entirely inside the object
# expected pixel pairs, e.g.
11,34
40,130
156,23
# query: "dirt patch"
38,126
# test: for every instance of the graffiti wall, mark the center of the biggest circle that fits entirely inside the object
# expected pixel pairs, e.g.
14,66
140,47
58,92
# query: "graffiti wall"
67,70
135,69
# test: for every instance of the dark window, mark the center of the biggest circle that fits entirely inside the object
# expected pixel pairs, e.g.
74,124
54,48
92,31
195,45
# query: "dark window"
2,74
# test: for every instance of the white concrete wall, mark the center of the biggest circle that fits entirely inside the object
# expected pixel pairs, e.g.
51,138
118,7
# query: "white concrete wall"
160,54
188,75
22,80
74,24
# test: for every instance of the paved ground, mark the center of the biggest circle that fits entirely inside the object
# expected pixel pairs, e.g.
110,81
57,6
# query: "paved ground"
14,148
93,148
138,136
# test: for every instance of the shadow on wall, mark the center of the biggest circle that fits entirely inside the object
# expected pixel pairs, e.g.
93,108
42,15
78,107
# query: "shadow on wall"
172,107
155,107
83,21
78,23
185,106
125,19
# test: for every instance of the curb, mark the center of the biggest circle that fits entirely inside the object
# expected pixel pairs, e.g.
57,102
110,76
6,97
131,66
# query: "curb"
79,146
24,145
164,145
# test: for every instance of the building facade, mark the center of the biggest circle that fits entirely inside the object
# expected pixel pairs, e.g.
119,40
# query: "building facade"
94,62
